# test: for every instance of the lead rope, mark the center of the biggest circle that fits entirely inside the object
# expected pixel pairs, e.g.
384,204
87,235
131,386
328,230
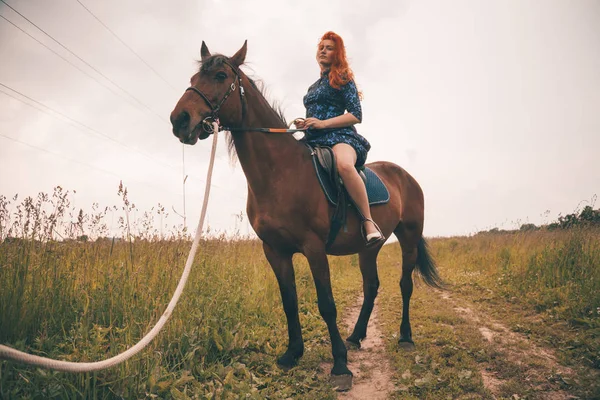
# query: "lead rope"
8,353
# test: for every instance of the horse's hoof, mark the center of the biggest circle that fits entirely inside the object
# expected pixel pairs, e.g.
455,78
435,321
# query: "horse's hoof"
341,383
287,362
352,345
284,367
407,345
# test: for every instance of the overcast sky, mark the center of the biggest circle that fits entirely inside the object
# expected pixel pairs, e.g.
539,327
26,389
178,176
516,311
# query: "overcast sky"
493,106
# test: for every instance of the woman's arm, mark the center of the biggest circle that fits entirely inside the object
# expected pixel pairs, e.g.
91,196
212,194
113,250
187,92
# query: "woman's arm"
341,121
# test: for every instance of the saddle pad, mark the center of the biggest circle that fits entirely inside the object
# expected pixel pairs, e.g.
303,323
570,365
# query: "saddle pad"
376,190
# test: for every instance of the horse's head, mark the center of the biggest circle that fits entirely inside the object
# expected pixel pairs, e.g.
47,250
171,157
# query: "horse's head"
215,94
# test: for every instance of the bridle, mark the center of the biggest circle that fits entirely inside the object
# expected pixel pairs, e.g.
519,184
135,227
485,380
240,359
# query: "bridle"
208,123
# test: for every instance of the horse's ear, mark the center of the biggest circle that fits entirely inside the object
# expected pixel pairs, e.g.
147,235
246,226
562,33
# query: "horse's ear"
204,53
239,57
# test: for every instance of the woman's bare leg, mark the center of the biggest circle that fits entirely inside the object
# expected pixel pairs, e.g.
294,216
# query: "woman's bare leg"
345,159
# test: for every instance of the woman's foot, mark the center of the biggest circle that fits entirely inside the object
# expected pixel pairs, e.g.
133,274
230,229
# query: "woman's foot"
371,232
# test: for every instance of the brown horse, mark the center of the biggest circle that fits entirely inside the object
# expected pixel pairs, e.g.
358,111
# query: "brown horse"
288,209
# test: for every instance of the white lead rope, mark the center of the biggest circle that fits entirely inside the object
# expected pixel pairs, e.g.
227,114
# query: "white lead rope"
8,353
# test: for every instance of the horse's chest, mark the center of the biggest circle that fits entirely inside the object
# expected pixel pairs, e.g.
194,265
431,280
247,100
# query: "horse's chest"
276,226
287,216
266,222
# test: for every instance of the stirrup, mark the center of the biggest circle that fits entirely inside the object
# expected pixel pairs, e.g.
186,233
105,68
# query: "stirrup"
372,238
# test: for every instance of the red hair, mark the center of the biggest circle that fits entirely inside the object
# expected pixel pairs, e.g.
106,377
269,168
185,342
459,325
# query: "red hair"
340,72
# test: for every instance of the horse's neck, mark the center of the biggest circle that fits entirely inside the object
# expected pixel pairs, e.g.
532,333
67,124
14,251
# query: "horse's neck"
265,157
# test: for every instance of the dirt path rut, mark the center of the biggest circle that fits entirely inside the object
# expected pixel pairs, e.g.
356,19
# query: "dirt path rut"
538,367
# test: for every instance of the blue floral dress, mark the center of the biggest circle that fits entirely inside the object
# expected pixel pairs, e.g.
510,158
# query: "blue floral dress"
323,102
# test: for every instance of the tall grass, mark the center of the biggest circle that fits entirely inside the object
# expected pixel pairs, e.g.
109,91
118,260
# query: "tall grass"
557,270
555,273
84,287
86,297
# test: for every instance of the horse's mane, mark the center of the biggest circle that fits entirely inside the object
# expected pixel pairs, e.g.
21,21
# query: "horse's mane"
218,60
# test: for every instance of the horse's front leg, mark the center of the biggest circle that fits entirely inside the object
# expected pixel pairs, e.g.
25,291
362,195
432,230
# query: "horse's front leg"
319,267
282,266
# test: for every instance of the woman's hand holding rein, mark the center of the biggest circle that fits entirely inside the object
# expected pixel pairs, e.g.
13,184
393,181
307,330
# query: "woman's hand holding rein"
340,121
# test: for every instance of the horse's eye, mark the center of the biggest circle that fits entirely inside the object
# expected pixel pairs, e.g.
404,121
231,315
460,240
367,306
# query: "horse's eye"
221,76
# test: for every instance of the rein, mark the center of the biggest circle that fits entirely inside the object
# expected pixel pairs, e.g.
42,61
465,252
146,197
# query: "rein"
265,130
208,123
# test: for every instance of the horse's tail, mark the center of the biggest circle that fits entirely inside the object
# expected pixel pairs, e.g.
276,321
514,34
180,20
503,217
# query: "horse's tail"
427,268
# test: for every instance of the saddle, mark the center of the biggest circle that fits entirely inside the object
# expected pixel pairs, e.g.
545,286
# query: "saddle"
326,158
335,192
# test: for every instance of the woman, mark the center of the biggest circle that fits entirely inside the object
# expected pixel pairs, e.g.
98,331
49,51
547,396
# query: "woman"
328,125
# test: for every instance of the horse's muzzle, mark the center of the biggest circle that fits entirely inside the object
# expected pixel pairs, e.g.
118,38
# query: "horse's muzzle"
181,125
188,133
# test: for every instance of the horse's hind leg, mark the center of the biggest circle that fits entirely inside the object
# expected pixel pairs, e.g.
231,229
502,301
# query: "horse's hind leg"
408,243
282,266
368,269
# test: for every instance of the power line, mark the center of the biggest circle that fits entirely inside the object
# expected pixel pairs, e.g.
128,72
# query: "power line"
73,122
126,45
77,125
161,188
73,160
68,61
64,116
85,62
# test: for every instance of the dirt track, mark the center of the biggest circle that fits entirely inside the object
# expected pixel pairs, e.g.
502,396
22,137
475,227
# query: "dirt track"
537,367
369,364
544,375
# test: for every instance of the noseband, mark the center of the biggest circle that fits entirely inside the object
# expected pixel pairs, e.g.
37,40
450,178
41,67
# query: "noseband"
207,123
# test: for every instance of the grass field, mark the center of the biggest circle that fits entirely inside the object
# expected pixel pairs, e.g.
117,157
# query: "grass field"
543,286
88,300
